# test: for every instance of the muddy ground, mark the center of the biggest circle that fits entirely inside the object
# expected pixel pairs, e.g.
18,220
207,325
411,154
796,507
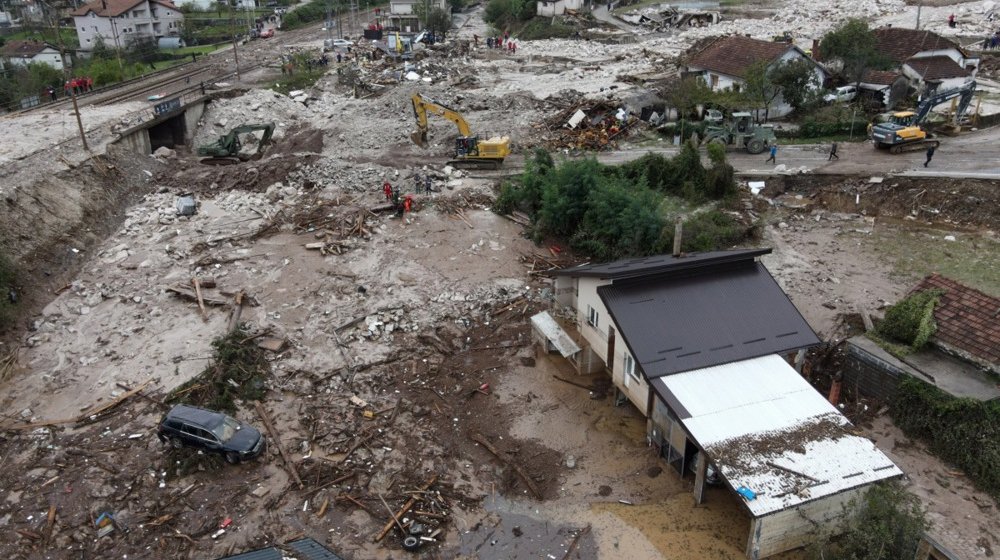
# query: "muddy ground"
410,315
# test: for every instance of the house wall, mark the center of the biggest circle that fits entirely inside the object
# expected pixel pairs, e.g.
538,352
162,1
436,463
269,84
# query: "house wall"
146,19
402,14
798,526
47,56
871,371
558,8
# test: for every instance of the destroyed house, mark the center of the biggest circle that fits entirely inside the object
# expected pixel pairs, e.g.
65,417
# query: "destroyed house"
962,358
723,64
696,343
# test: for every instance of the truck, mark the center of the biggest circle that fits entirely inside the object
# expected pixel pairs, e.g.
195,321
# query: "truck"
742,132
904,132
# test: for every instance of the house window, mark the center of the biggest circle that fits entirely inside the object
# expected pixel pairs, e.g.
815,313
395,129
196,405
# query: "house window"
713,81
593,317
629,368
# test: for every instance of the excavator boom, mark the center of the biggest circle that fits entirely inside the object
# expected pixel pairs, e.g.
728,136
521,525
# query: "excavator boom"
906,136
226,150
468,147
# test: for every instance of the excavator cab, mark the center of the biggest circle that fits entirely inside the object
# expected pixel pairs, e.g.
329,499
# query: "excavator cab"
902,118
467,146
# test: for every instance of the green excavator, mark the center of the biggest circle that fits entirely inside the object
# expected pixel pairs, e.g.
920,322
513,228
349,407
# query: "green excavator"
226,150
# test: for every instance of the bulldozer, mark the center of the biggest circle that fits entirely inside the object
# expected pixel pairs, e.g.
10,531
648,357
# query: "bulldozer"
470,150
227,149
742,132
904,131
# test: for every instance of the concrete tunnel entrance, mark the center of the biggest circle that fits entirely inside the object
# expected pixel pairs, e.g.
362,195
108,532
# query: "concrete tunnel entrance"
169,133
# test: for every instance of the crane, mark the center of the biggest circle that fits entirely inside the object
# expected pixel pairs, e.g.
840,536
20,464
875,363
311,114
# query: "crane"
469,149
903,131
226,150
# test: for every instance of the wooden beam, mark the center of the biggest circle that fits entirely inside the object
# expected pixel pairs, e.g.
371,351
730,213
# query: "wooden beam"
481,440
277,443
402,511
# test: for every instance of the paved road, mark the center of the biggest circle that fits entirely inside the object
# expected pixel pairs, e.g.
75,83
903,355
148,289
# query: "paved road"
972,155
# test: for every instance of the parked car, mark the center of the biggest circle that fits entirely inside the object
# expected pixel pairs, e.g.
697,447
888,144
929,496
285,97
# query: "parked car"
332,44
843,94
267,34
210,431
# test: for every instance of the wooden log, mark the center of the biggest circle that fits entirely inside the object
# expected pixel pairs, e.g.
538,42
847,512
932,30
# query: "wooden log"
481,440
189,294
236,313
337,480
574,383
277,443
576,541
402,511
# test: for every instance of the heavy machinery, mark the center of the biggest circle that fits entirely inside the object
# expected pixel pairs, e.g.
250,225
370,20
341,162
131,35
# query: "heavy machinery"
904,133
741,131
227,149
469,149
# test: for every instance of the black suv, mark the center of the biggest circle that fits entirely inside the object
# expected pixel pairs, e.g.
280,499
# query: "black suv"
210,431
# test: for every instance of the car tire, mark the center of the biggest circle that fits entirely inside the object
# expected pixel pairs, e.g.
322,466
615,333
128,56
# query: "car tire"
231,458
176,443
755,146
411,543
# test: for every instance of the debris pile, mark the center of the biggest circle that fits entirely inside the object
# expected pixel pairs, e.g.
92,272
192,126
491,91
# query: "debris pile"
591,126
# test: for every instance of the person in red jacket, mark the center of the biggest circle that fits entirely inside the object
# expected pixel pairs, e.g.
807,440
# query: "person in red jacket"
387,189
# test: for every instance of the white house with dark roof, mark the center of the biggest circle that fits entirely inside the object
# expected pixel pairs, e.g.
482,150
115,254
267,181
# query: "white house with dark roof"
696,343
120,23
23,53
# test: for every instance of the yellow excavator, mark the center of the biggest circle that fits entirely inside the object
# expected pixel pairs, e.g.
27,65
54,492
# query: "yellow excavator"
469,149
905,132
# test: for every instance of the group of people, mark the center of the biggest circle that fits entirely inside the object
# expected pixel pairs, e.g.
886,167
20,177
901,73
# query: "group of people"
773,153
403,205
992,42
500,43
73,85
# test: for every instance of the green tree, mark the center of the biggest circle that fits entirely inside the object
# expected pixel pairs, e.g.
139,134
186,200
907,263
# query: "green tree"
797,80
456,5
885,524
853,44
688,94
504,14
438,22
758,88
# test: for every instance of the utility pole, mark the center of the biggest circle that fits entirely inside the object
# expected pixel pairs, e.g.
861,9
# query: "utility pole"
236,54
66,75
919,5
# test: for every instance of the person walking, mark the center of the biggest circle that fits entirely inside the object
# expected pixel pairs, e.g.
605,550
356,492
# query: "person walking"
930,154
387,189
408,204
833,152
774,154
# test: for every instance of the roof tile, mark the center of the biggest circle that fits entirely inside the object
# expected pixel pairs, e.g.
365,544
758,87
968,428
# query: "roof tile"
966,318
732,55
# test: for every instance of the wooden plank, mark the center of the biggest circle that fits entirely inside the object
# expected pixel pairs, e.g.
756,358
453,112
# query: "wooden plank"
201,301
237,311
409,505
481,440
277,443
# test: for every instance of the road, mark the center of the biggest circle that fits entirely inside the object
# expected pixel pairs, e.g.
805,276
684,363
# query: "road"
972,155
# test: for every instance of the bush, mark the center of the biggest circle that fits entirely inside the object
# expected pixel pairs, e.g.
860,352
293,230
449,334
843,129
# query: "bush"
964,432
545,28
886,524
615,212
911,320
304,15
505,14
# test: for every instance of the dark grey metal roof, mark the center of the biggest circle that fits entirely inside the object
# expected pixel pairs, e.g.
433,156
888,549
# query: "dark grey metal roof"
673,323
655,264
302,549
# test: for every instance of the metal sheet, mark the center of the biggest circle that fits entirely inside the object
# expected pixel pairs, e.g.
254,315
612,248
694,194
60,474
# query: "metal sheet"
555,334
768,430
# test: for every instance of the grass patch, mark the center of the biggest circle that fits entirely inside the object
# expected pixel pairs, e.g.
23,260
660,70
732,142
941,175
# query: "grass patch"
69,38
201,49
916,252
302,77
237,372
545,28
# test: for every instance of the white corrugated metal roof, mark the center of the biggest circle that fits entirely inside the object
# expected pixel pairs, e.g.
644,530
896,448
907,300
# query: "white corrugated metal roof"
768,430
555,334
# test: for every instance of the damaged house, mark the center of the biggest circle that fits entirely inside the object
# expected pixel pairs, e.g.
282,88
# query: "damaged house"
723,64
698,343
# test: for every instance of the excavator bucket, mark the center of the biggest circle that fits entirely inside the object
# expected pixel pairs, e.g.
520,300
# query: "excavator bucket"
419,138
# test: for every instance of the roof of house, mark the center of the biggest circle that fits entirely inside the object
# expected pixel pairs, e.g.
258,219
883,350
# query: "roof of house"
113,8
676,322
302,549
732,55
23,49
900,44
880,77
656,264
967,319
937,68
768,430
